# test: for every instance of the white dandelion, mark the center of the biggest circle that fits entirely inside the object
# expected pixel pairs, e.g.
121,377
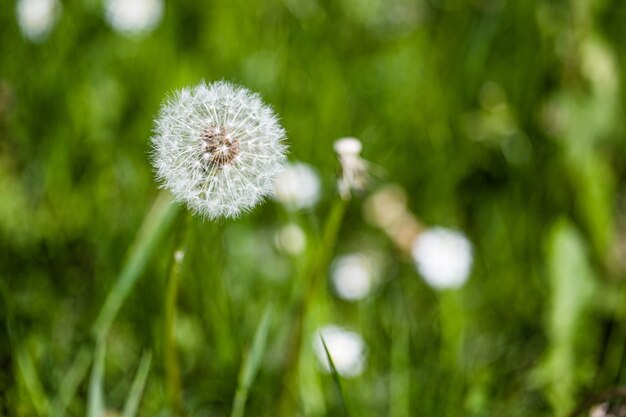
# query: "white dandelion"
217,147
443,257
346,348
354,276
133,17
37,17
298,186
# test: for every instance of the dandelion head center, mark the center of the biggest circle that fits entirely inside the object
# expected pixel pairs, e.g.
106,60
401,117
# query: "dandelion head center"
219,147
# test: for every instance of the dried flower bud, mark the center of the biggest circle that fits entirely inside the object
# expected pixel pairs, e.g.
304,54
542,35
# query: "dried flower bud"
354,172
217,148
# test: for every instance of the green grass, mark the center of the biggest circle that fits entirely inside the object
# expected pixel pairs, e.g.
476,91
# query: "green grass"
501,119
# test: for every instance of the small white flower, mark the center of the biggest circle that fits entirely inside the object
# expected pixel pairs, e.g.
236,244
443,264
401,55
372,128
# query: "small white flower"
298,186
37,17
443,257
353,276
132,17
354,173
346,348
218,148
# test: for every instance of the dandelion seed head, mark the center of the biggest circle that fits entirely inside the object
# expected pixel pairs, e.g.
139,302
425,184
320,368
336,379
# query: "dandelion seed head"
443,257
354,275
133,17
217,147
346,348
37,17
348,146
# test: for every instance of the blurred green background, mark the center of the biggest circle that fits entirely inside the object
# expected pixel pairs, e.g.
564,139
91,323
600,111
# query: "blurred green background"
502,119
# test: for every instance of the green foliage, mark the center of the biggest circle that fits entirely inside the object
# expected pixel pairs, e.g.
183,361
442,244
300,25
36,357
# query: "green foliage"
503,119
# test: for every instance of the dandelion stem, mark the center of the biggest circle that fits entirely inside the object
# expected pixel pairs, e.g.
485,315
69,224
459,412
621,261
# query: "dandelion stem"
318,263
172,368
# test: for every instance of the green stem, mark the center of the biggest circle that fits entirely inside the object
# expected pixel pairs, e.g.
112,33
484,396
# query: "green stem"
172,367
318,264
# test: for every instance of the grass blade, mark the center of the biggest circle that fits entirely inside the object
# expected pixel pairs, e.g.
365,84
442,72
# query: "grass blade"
95,405
71,381
336,380
136,390
30,379
252,363
155,225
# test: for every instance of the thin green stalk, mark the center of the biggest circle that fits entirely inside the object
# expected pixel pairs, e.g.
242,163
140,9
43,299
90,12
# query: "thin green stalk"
96,402
29,378
318,264
399,387
71,381
172,367
252,363
451,319
136,390
336,379
154,227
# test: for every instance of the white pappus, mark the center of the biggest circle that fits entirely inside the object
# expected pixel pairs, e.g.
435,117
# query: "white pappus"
217,147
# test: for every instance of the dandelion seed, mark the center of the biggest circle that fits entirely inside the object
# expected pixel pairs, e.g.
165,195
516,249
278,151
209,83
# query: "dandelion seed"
346,348
443,257
354,173
298,186
217,148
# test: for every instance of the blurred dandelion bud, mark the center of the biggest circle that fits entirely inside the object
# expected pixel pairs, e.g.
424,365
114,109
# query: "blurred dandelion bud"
346,348
297,186
37,17
354,169
355,275
217,147
443,257
133,17
290,239
386,209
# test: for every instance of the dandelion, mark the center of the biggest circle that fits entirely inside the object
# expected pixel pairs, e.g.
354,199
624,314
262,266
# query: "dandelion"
290,239
346,348
217,148
443,257
298,186
354,275
133,17
37,17
354,174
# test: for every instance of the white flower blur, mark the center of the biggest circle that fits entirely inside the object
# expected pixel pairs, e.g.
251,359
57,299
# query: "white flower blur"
290,239
346,348
37,17
133,17
298,186
353,276
443,257
217,147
